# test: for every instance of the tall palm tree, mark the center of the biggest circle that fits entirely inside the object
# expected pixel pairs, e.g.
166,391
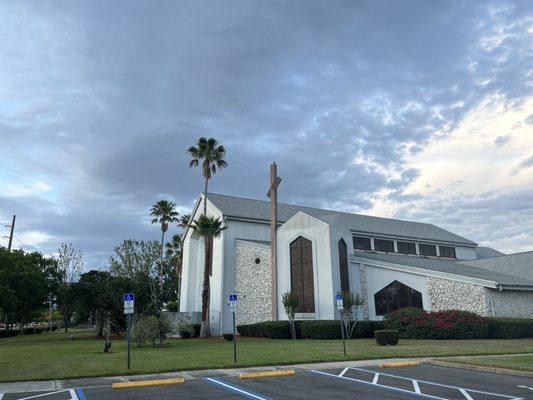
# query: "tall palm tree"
184,220
175,253
212,155
164,213
209,228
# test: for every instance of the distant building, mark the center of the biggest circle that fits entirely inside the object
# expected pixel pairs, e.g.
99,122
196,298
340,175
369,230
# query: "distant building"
391,263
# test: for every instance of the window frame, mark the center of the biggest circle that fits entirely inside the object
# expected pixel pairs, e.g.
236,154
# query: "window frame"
454,256
434,246
384,240
354,237
408,243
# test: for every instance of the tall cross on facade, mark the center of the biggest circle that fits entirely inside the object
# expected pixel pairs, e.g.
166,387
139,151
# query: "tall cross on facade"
275,180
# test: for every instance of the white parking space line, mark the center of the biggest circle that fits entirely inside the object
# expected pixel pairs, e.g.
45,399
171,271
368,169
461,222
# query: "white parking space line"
341,374
1,396
42,395
237,389
464,391
416,387
427,396
376,377
73,395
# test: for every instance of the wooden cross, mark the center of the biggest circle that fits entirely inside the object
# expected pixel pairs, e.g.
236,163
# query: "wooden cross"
275,180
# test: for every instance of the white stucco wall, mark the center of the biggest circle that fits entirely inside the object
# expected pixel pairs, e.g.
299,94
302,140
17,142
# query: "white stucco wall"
377,278
318,233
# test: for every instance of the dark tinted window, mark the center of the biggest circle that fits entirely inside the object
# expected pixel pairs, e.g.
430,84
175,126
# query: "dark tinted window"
406,248
427,249
361,243
447,251
343,266
384,245
396,296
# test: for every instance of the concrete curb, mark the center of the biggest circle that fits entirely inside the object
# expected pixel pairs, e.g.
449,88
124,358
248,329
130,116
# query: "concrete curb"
142,384
267,374
481,368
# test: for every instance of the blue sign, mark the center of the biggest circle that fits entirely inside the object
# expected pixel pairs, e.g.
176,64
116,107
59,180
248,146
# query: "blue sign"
232,297
339,297
129,297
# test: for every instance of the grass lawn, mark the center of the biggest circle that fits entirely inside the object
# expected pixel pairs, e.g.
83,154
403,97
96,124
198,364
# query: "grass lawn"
55,356
522,363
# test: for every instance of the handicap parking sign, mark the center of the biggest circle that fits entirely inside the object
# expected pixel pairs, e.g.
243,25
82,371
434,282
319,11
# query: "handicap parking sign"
232,297
338,299
129,297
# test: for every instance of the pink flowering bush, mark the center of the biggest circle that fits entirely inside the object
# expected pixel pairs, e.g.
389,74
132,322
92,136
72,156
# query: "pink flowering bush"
415,323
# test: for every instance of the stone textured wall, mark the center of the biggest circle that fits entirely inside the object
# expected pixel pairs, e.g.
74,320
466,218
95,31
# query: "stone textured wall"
518,304
253,283
364,292
445,294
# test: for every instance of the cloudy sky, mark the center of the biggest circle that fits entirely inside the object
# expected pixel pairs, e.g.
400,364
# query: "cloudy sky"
418,110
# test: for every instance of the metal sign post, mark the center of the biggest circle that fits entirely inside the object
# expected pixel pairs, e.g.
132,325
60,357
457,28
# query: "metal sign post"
233,308
129,309
340,307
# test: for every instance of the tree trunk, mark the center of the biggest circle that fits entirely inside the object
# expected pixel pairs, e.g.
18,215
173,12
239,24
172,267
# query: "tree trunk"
205,328
161,266
205,196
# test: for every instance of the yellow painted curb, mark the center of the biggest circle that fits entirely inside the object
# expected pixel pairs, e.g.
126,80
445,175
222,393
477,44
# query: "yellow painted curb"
399,364
267,374
141,384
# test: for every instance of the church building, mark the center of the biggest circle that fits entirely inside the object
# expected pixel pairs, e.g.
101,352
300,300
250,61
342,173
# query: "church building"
319,253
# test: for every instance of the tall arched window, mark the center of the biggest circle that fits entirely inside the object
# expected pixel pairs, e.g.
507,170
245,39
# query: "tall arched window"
396,296
343,266
302,281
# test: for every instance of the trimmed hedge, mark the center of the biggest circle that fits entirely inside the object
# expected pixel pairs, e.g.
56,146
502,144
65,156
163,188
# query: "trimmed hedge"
415,323
315,329
228,337
510,328
386,337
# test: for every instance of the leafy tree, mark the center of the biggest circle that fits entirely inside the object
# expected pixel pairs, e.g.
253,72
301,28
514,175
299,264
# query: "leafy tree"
351,304
291,302
165,213
209,228
27,281
139,262
212,155
70,265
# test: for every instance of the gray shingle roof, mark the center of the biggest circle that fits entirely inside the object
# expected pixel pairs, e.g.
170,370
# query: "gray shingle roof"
487,252
518,264
448,267
237,207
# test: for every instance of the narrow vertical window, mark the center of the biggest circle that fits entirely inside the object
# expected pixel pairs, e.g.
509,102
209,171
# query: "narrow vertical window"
343,266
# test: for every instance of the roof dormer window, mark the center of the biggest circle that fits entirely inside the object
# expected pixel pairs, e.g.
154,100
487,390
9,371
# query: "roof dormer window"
427,249
361,243
384,245
447,251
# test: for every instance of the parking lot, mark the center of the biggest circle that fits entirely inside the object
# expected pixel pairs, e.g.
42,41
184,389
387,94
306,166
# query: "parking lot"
422,381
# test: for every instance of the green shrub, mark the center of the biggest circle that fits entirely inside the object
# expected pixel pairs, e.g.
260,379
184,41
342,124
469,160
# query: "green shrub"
268,329
510,328
315,329
415,323
386,337
172,306
146,330
228,336
8,333
194,331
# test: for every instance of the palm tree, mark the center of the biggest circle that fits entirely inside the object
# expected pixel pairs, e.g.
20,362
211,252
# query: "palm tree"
212,155
208,228
184,220
175,253
165,213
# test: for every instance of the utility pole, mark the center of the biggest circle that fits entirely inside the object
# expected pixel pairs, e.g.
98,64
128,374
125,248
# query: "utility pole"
12,226
273,195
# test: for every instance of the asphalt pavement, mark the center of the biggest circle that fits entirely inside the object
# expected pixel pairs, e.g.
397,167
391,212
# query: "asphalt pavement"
348,382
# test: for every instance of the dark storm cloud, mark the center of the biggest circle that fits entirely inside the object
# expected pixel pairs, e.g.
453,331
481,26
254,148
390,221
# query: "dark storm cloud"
105,98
